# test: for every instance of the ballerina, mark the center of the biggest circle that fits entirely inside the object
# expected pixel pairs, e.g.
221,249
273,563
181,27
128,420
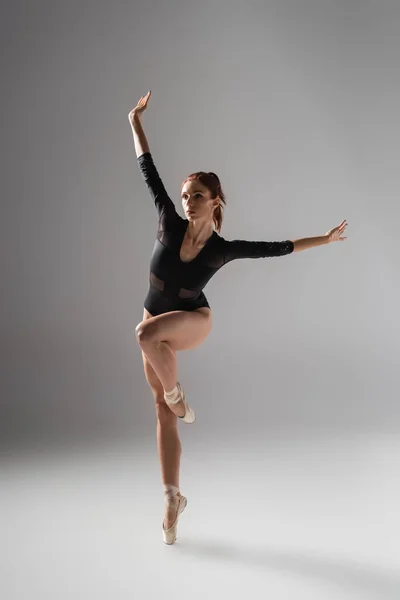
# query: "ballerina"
177,315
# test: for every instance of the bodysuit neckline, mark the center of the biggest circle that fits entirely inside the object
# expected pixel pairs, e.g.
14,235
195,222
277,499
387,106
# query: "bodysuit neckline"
188,262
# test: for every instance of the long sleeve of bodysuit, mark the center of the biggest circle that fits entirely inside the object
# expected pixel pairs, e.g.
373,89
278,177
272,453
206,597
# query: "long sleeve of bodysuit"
155,185
248,249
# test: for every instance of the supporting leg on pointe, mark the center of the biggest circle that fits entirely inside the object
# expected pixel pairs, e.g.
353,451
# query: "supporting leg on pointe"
169,450
168,442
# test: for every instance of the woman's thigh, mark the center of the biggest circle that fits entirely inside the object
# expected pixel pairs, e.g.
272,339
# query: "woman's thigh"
182,330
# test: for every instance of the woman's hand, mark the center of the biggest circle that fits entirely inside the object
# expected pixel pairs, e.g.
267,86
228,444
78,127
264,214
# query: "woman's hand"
334,234
141,106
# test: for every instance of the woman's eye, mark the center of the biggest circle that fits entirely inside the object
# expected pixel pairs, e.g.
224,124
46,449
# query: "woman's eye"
185,197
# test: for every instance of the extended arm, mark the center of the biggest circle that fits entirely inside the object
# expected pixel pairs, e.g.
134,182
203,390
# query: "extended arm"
310,242
235,249
333,235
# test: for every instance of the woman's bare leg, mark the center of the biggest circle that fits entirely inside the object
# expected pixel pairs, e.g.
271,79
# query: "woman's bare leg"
168,442
161,336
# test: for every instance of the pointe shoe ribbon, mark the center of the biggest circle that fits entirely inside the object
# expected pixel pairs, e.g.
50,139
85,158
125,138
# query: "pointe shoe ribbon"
189,416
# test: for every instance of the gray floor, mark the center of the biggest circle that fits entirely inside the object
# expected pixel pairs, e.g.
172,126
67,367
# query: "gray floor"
286,518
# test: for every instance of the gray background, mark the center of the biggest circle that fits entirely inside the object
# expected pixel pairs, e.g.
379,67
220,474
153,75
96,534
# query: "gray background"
294,104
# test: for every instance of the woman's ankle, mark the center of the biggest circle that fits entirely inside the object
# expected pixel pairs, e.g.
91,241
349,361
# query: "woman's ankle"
171,490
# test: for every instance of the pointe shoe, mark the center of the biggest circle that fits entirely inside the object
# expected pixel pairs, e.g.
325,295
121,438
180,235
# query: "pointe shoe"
170,534
189,416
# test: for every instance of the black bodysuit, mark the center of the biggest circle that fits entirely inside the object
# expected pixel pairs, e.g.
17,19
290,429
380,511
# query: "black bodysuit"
178,285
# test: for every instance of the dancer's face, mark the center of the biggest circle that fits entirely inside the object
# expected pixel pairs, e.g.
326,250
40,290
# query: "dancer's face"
197,202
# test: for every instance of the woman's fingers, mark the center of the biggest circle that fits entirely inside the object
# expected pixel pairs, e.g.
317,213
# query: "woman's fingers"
336,233
143,101
145,98
340,230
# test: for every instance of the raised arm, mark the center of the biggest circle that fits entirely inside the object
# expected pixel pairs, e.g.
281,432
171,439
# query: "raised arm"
165,206
141,145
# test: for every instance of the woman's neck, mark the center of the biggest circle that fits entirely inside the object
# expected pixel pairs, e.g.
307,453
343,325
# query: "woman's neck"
199,231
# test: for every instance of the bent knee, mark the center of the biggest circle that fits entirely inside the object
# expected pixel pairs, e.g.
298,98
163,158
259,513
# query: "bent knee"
144,332
139,330
164,414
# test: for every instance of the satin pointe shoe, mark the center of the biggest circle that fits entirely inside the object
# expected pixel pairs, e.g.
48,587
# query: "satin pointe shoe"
170,534
189,416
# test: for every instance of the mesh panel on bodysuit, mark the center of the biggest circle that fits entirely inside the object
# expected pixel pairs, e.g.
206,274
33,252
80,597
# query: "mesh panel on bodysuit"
156,282
187,293
159,284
